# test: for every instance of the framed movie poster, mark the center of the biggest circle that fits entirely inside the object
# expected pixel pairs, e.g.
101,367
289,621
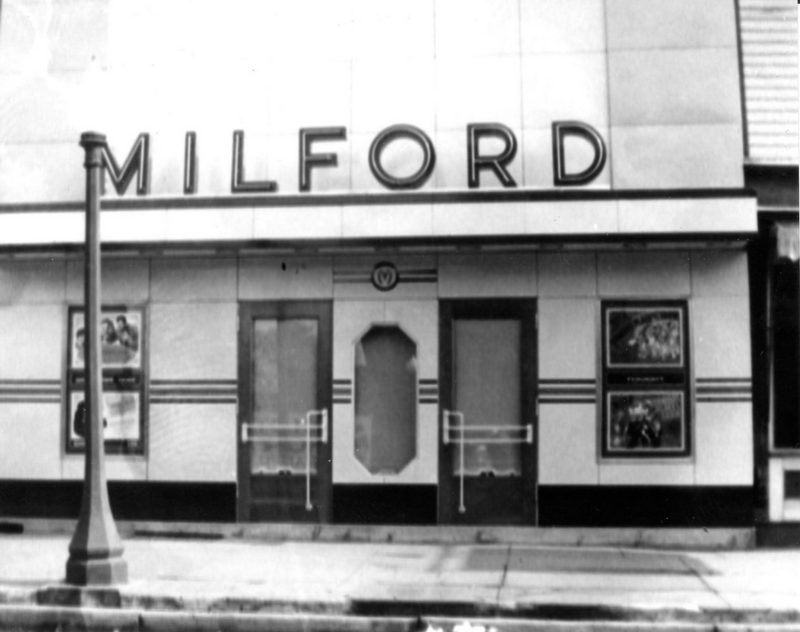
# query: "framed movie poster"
122,414
645,422
122,338
641,337
645,379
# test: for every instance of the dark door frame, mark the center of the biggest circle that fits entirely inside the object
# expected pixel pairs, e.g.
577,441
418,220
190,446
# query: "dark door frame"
525,310
283,310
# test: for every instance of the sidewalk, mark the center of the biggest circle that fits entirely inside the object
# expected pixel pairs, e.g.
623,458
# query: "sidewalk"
408,580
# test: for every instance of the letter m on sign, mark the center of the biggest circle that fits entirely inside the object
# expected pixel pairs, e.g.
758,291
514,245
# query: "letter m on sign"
137,162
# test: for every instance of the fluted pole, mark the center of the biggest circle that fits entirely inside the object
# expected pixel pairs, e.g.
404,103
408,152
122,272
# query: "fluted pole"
95,552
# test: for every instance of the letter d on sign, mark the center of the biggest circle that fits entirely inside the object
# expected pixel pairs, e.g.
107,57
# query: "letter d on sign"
562,129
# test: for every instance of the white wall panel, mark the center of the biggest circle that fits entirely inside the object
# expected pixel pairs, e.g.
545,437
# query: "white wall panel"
477,27
567,338
492,218
302,222
563,274
724,443
646,473
719,273
119,467
390,91
733,215
477,275
674,87
478,89
562,26
567,444
32,282
192,442
563,87
193,280
387,220
660,156
285,278
41,171
721,336
32,341
646,274
31,446
193,341
124,281
393,29
636,24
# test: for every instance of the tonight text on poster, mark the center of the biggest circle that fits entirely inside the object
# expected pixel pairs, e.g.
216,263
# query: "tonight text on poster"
138,160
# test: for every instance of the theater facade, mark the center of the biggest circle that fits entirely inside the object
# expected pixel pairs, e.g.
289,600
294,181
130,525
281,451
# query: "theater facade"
431,262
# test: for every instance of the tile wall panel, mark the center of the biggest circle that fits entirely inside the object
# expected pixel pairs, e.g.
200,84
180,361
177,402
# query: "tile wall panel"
24,282
477,27
193,341
567,274
567,338
567,444
719,273
32,341
724,443
123,282
192,442
721,336
285,278
31,447
661,157
645,274
548,26
638,24
482,275
176,280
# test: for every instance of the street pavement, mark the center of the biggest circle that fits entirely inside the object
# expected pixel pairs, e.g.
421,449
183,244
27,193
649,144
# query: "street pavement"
473,582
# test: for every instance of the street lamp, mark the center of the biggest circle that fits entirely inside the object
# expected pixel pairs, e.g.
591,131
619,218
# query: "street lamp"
95,552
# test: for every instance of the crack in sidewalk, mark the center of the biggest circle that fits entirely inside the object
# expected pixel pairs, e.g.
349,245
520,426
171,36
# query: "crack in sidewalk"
705,583
506,564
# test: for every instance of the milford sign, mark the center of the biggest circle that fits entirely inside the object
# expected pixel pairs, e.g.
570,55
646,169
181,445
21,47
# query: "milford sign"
478,162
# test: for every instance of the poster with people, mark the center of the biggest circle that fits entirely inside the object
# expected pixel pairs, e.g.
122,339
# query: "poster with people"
120,417
645,420
120,338
644,337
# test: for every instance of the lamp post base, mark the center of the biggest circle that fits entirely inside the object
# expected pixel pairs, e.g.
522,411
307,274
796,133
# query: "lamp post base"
105,571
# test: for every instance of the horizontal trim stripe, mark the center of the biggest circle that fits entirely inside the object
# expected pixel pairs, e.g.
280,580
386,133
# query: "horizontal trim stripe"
428,400
367,199
13,399
568,400
342,401
198,382
426,381
708,399
428,390
567,391
566,381
192,400
24,381
342,381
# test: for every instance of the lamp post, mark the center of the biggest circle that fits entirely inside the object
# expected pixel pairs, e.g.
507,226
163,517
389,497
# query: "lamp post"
95,552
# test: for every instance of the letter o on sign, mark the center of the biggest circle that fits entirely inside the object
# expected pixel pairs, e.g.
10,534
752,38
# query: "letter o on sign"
384,276
415,180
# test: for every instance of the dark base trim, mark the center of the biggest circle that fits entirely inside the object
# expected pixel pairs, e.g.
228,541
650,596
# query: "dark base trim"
130,500
778,535
645,506
385,504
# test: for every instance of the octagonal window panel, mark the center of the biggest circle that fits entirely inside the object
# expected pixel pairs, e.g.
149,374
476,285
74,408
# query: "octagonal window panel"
385,400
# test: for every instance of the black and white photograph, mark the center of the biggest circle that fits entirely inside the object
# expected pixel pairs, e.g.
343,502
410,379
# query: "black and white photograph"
419,316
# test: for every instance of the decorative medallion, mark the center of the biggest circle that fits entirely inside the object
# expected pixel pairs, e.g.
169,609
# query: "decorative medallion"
384,276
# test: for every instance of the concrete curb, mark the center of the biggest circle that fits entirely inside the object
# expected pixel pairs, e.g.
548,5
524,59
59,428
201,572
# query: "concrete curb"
56,619
679,539
406,610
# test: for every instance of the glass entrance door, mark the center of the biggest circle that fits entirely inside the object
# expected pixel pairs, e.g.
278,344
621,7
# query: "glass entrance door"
284,410
488,408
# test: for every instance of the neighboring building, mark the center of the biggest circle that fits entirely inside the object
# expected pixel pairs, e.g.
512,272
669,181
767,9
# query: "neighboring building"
769,31
440,261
